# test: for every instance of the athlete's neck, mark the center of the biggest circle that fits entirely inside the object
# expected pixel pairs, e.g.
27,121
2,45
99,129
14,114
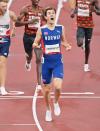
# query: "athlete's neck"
51,26
35,7
1,13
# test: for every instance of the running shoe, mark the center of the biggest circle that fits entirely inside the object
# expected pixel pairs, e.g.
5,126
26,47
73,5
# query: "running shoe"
48,116
86,67
57,110
3,91
28,66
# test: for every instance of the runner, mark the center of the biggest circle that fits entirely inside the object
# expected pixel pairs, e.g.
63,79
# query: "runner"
84,10
5,16
31,18
52,64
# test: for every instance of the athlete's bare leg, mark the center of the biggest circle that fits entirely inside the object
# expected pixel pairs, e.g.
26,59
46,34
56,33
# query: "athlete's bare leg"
57,83
3,71
38,54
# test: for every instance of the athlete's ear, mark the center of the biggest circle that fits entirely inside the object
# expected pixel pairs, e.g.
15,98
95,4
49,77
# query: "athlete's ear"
45,17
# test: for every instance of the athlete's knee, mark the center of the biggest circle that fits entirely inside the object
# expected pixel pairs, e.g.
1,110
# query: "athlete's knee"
87,41
79,42
57,83
2,64
29,55
46,88
38,54
87,44
38,60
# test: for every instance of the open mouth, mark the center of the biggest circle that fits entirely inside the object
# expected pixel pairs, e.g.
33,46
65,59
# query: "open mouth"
52,18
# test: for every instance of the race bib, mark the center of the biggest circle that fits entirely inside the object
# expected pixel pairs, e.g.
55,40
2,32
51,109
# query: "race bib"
37,24
52,49
83,12
3,30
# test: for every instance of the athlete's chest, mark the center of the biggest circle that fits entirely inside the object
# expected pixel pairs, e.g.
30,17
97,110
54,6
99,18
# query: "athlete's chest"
84,7
51,35
33,12
83,4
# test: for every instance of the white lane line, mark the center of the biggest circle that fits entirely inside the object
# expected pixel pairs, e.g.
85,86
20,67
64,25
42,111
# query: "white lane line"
76,93
15,124
15,93
34,110
41,97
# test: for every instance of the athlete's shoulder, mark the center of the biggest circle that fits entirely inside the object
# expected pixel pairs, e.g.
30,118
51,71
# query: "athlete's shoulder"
11,12
43,27
92,2
59,26
25,8
40,7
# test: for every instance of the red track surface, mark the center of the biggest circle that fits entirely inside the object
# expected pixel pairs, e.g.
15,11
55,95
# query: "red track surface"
79,113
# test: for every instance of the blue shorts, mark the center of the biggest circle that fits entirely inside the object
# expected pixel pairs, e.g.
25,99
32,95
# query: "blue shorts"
51,69
4,48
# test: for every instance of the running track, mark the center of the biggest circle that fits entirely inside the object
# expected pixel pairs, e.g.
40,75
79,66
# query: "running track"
80,110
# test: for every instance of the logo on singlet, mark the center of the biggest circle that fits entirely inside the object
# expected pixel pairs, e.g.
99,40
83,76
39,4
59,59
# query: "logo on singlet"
4,29
37,24
54,37
83,9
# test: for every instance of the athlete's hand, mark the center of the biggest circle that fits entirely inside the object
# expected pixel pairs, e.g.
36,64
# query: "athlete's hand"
96,10
72,15
73,12
35,45
12,33
68,47
33,21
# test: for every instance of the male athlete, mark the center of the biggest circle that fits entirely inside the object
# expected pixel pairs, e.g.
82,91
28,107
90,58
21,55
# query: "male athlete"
31,18
5,16
51,36
84,10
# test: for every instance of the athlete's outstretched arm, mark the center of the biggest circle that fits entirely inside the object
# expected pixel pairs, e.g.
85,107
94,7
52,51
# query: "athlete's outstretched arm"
13,16
72,4
20,20
64,40
97,7
37,39
14,19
